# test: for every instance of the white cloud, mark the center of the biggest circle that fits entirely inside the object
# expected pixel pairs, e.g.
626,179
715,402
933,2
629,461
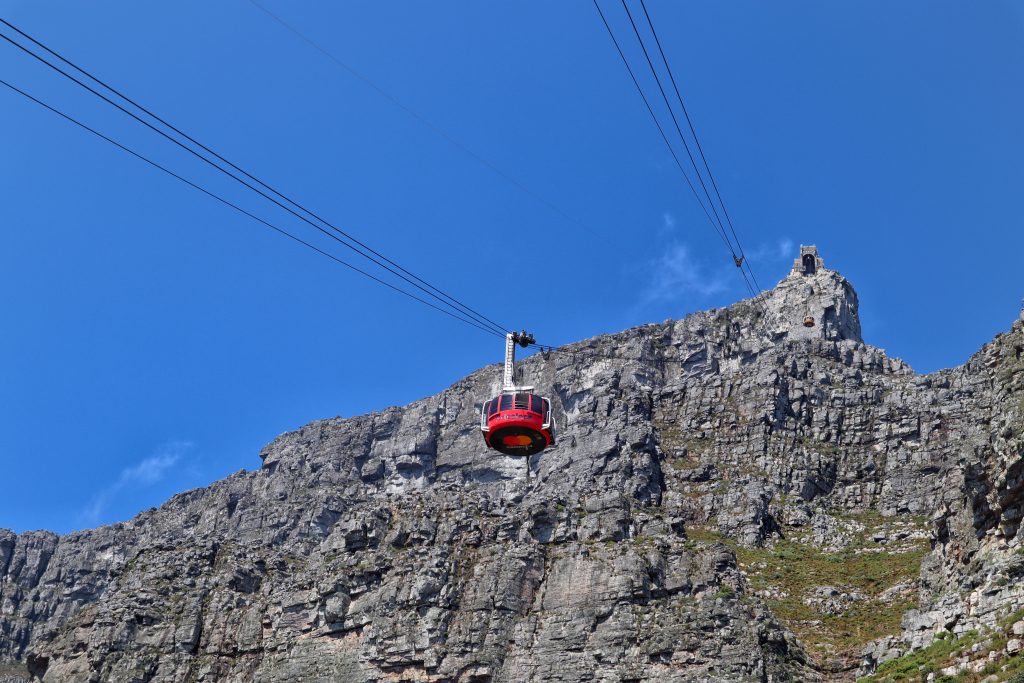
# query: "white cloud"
780,251
146,472
785,248
676,273
151,470
667,226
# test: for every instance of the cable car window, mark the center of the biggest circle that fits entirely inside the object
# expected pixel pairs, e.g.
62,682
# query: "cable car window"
492,406
522,401
506,402
547,407
535,404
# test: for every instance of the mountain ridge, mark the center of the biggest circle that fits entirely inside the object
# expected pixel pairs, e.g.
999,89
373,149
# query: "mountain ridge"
393,546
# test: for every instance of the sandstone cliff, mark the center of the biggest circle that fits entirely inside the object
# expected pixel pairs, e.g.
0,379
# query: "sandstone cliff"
734,497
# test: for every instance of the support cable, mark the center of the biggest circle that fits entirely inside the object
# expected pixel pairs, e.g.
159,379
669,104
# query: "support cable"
228,203
440,132
374,256
661,130
752,287
700,149
675,122
719,226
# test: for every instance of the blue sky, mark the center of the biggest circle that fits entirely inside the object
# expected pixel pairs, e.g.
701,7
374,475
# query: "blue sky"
155,340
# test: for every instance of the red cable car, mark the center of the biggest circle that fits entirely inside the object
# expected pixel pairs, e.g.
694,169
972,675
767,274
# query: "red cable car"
518,422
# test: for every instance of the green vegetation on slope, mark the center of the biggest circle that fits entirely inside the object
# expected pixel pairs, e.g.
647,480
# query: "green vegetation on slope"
788,574
836,601
986,662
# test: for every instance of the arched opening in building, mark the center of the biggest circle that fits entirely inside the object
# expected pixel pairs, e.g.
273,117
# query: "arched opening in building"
809,264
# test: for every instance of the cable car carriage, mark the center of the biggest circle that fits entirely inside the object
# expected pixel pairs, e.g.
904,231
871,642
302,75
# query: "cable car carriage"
518,422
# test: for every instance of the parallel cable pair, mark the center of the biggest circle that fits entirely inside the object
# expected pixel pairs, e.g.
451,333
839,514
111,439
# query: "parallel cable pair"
233,205
452,306
693,132
430,125
449,304
715,218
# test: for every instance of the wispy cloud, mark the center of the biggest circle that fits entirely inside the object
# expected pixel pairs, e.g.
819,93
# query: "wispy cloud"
679,274
676,273
780,251
668,224
146,472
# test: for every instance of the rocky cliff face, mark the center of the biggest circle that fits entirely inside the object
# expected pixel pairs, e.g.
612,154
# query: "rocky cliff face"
734,497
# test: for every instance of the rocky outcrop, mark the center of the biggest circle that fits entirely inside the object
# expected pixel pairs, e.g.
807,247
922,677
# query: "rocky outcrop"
974,577
693,456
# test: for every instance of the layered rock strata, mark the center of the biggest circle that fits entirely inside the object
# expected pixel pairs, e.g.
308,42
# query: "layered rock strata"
395,547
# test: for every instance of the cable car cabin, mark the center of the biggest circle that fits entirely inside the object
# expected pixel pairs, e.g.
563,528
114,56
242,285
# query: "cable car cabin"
517,424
